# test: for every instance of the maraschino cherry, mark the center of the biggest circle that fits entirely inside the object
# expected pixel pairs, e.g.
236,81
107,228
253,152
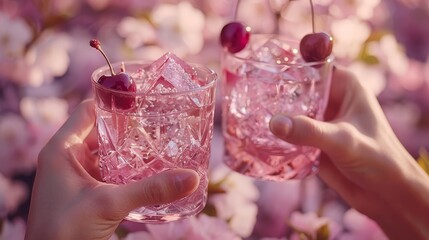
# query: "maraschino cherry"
119,82
234,36
316,46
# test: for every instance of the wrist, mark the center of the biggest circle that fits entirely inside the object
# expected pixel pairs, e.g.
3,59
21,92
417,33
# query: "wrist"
406,211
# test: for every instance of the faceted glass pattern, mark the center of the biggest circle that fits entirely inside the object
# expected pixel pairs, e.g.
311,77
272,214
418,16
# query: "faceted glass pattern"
267,78
170,126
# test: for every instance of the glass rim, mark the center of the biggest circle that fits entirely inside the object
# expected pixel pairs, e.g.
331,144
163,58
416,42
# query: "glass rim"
329,59
210,74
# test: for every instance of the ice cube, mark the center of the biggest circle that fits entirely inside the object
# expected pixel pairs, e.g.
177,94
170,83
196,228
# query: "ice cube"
275,52
170,74
275,61
301,74
270,60
172,149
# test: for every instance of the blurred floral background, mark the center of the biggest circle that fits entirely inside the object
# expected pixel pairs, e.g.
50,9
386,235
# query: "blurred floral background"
45,67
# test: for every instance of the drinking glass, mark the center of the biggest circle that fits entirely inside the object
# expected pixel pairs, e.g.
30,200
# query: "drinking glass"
160,131
269,77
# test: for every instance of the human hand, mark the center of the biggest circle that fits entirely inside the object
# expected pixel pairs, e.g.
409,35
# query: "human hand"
362,159
70,202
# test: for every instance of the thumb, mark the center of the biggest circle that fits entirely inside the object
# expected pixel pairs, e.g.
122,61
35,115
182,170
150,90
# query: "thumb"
162,188
302,130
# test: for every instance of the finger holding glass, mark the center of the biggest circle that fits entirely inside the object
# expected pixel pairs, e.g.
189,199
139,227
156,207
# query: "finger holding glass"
69,202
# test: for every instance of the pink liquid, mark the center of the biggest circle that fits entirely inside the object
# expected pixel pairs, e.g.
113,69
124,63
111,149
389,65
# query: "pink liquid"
162,131
252,95
141,147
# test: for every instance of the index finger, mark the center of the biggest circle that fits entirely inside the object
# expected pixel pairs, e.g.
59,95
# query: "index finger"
342,81
79,125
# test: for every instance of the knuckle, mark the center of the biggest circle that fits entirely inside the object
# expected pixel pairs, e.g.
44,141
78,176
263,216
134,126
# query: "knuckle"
48,153
106,204
347,139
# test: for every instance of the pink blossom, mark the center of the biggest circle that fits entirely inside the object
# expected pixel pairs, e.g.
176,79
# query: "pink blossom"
371,76
334,211
172,230
360,227
138,235
391,59
212,228
16,139
13,230
44,117
309,223
364,9
114,237
83,61
395,58
312,194
39,111
47,58
14,37
222,8
408,22
349,35
98,4
127,5
53,73
136,31
411,79
296,19
201,227
276,202
404,118
179,28
257,15
64,6
237,205
273,238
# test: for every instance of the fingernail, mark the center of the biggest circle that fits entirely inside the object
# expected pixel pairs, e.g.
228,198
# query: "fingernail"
280,125
186,180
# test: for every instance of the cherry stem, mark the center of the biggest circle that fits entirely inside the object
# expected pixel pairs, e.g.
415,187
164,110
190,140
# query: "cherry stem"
312,15
96,44
236,10
108,62
277,14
